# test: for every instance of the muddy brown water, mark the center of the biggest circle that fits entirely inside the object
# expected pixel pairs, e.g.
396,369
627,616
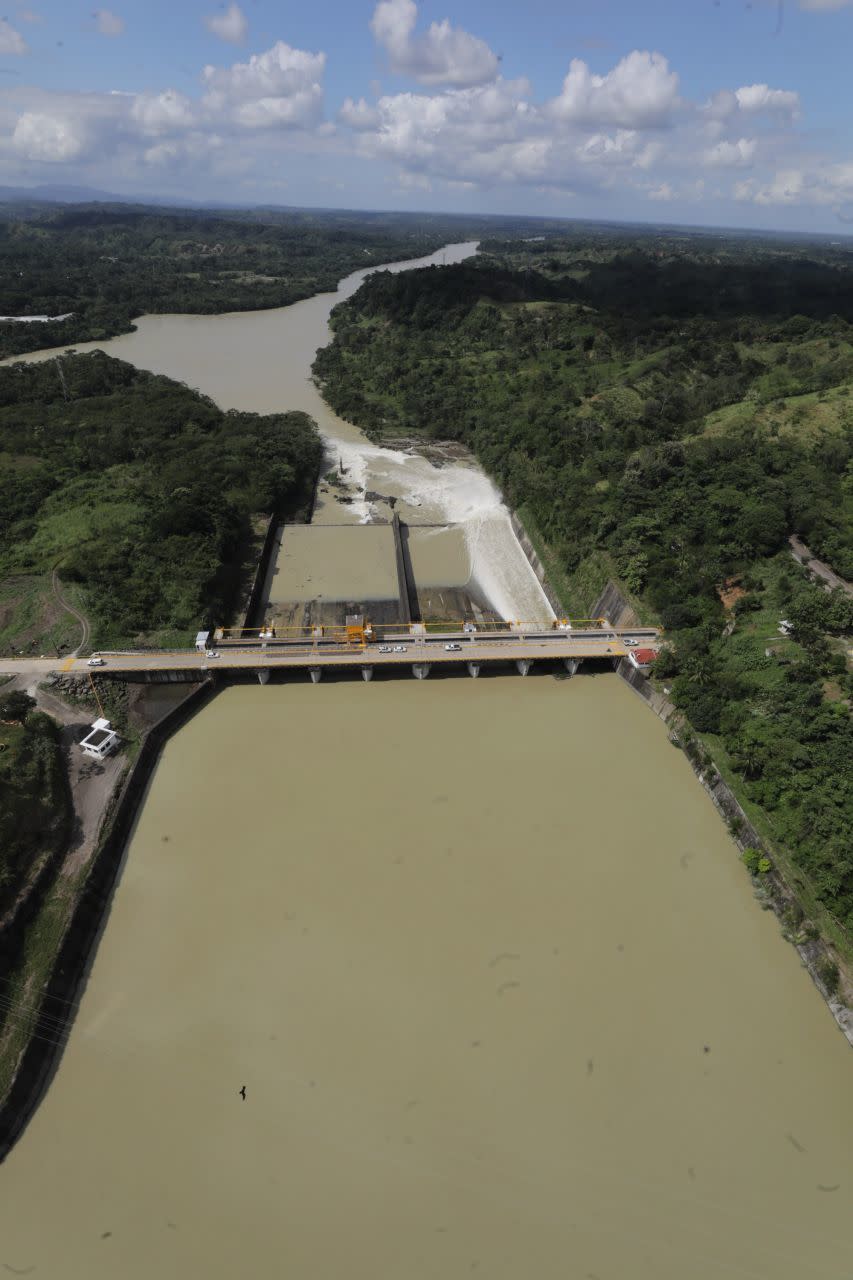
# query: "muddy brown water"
481,952
465,944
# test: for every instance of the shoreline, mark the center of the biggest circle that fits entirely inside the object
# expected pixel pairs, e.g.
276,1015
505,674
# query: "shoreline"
89,917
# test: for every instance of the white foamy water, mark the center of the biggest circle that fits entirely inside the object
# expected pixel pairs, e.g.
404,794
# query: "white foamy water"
452,493
261,361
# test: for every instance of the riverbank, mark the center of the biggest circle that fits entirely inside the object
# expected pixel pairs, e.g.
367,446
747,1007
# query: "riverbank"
50,939
803,923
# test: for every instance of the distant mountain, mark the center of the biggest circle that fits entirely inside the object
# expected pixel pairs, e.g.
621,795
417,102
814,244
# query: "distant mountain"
57,193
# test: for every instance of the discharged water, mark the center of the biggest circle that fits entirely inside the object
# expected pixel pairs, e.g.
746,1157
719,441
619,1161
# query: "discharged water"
485,960
261,361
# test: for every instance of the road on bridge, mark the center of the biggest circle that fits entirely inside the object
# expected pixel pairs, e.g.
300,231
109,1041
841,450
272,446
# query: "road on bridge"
506,647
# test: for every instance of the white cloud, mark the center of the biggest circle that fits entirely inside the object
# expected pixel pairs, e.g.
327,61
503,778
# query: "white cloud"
29,15
158,113
109,24
359,115
280,87
760,97
442,55
663,192
739,154
49,138
231,26
640,92
11,41
753,100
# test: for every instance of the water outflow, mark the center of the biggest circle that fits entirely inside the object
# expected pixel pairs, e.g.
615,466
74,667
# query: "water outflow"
445,493
449,493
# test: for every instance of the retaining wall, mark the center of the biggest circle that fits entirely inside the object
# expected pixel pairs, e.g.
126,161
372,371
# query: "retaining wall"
77,952
535,563
256,595
405,587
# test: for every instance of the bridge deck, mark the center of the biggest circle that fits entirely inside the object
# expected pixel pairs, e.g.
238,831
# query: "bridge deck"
286,655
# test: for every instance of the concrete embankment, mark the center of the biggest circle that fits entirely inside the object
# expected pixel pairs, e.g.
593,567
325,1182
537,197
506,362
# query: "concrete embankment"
62,995
254,605
612,604
535,563
409,611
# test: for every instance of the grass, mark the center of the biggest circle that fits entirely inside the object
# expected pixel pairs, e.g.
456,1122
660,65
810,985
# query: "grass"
810,417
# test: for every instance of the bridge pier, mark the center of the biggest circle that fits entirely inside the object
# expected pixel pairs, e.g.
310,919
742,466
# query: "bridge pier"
420,670
316,674
264,676
367,673
571,665
523,665
473,669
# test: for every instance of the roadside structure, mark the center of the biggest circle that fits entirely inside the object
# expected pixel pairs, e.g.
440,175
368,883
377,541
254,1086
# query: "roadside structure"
100,740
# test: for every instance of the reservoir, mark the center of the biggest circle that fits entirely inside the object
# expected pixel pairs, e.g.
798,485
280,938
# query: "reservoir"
465,943
481,952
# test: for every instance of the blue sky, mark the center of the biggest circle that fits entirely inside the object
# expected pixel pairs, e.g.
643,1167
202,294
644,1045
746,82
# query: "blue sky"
723,112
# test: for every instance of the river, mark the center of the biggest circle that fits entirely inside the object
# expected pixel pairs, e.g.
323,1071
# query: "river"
261,361
483,955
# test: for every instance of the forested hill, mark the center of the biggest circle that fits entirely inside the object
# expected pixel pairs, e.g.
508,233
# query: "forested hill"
667,418
140,490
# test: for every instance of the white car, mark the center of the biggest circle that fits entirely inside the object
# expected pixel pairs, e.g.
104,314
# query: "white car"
399,648
452,647
385,648
211,653
631,643
96,662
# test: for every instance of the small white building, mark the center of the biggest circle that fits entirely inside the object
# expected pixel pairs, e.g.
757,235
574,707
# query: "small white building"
642,659
201,640
100,740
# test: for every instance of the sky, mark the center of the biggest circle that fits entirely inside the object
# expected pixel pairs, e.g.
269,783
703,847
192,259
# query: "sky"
706,112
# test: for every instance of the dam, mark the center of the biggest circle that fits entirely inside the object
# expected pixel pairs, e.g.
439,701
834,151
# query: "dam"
480,951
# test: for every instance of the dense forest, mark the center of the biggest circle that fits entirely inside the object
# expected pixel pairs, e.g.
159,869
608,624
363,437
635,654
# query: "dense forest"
106,264
666,414
35,803
140,490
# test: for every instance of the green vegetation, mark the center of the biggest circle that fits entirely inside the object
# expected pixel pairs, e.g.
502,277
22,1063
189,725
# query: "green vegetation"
141,491
665,414
107,265
35,806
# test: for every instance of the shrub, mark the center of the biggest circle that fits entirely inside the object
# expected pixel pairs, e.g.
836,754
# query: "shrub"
751,859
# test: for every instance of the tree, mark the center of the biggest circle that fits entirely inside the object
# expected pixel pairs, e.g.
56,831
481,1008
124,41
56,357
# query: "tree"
15,706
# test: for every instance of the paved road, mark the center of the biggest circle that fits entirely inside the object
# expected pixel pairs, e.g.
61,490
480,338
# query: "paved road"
506,647
819,568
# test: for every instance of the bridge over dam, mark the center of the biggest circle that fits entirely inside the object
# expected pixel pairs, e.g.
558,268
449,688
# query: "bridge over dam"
358,648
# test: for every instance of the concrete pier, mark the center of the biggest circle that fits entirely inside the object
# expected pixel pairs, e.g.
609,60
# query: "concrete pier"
420,670
367,673
405,587
473,669
571,665
264,676
316,674
523,665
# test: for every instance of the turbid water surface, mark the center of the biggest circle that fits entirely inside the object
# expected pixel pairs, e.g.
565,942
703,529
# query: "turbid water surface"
504,1006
